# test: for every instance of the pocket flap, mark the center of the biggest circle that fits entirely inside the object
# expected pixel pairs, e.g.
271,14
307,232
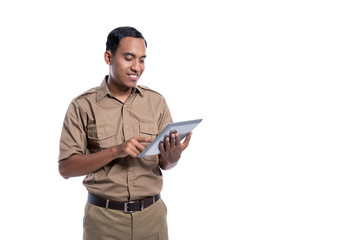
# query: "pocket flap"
148,128
101,132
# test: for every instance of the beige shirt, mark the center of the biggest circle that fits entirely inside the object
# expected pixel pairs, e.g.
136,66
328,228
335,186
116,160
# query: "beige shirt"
96,120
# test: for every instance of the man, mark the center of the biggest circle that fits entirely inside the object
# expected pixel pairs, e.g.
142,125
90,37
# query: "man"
104,131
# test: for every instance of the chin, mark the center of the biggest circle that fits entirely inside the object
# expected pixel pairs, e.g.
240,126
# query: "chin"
133,84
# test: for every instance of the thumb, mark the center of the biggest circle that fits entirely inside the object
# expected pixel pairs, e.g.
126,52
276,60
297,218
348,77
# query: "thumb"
187,140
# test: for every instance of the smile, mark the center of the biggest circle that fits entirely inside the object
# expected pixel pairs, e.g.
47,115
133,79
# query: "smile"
133,76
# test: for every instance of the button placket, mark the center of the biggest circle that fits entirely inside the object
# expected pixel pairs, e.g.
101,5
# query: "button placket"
126,121
128,132
130,176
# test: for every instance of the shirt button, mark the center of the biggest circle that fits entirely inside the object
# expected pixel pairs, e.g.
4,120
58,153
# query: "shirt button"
126,126
131,168
132,187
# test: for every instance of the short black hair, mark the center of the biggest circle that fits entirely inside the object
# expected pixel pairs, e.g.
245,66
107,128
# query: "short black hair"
119,33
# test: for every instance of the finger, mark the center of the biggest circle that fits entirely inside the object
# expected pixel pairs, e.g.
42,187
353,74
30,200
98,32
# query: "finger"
139,147
172,140
134,154
132,151
161,147
143,139
187,140
138,142
135,146
177,139
167,144
145,145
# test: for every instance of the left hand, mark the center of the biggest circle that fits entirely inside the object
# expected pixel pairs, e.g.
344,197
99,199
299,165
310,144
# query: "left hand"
171,150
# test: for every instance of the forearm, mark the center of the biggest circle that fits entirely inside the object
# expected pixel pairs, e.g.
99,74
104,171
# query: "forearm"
84,164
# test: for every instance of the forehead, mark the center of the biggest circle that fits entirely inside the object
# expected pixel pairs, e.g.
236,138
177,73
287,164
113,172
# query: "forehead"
133,45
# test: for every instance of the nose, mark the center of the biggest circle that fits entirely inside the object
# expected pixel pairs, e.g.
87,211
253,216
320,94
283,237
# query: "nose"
135,66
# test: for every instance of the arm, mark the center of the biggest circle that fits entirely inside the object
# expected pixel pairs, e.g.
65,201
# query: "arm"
171,153
83,164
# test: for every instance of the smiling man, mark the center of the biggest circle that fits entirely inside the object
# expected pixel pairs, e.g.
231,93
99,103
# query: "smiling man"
104,131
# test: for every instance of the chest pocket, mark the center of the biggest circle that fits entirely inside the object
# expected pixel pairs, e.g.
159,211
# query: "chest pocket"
101,137
148,129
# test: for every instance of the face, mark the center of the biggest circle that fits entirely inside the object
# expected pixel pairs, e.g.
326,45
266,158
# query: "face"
127,64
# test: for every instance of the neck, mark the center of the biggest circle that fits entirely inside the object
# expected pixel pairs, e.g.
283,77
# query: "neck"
120,92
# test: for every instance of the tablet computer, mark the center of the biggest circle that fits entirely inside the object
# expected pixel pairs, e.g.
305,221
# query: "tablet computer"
182,128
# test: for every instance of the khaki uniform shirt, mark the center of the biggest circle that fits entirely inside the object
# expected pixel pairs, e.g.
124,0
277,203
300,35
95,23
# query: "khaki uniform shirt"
96,120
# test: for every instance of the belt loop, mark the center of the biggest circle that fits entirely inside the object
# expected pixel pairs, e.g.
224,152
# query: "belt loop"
107,204
153,199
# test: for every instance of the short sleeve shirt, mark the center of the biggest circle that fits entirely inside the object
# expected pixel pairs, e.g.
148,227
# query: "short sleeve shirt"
96,120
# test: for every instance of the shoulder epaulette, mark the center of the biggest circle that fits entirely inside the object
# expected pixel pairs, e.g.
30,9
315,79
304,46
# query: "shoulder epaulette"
148,89
90,91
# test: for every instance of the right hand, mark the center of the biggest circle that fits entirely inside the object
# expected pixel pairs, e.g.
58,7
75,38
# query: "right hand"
132,147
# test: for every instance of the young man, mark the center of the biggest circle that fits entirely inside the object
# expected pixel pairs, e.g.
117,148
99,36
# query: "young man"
104,131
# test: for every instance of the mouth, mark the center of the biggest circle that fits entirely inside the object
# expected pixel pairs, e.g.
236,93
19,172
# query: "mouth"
134,77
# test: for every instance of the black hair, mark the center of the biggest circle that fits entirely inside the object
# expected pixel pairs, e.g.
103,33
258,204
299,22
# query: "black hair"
114,37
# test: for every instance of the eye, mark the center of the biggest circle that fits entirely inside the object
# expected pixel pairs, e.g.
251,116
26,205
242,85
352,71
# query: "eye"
142,60
128,59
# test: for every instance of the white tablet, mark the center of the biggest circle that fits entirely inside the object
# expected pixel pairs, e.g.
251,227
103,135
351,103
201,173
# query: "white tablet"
182,128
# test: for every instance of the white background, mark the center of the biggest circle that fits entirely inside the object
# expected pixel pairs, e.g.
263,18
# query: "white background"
276,82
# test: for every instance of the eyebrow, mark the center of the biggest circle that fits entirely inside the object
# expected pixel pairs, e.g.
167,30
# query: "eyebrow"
133,55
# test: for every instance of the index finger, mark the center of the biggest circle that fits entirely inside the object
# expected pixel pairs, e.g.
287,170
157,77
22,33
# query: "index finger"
143,139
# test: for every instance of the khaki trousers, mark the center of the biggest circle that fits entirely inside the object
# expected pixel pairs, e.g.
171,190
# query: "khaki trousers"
108,224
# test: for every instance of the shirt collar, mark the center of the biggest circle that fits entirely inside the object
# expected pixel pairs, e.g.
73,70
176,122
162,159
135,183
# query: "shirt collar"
104,90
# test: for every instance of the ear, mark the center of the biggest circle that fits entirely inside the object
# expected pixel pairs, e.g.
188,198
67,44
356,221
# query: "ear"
107,57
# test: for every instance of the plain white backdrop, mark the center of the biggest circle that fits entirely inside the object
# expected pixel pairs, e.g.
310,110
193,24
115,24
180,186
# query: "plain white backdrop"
276,82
